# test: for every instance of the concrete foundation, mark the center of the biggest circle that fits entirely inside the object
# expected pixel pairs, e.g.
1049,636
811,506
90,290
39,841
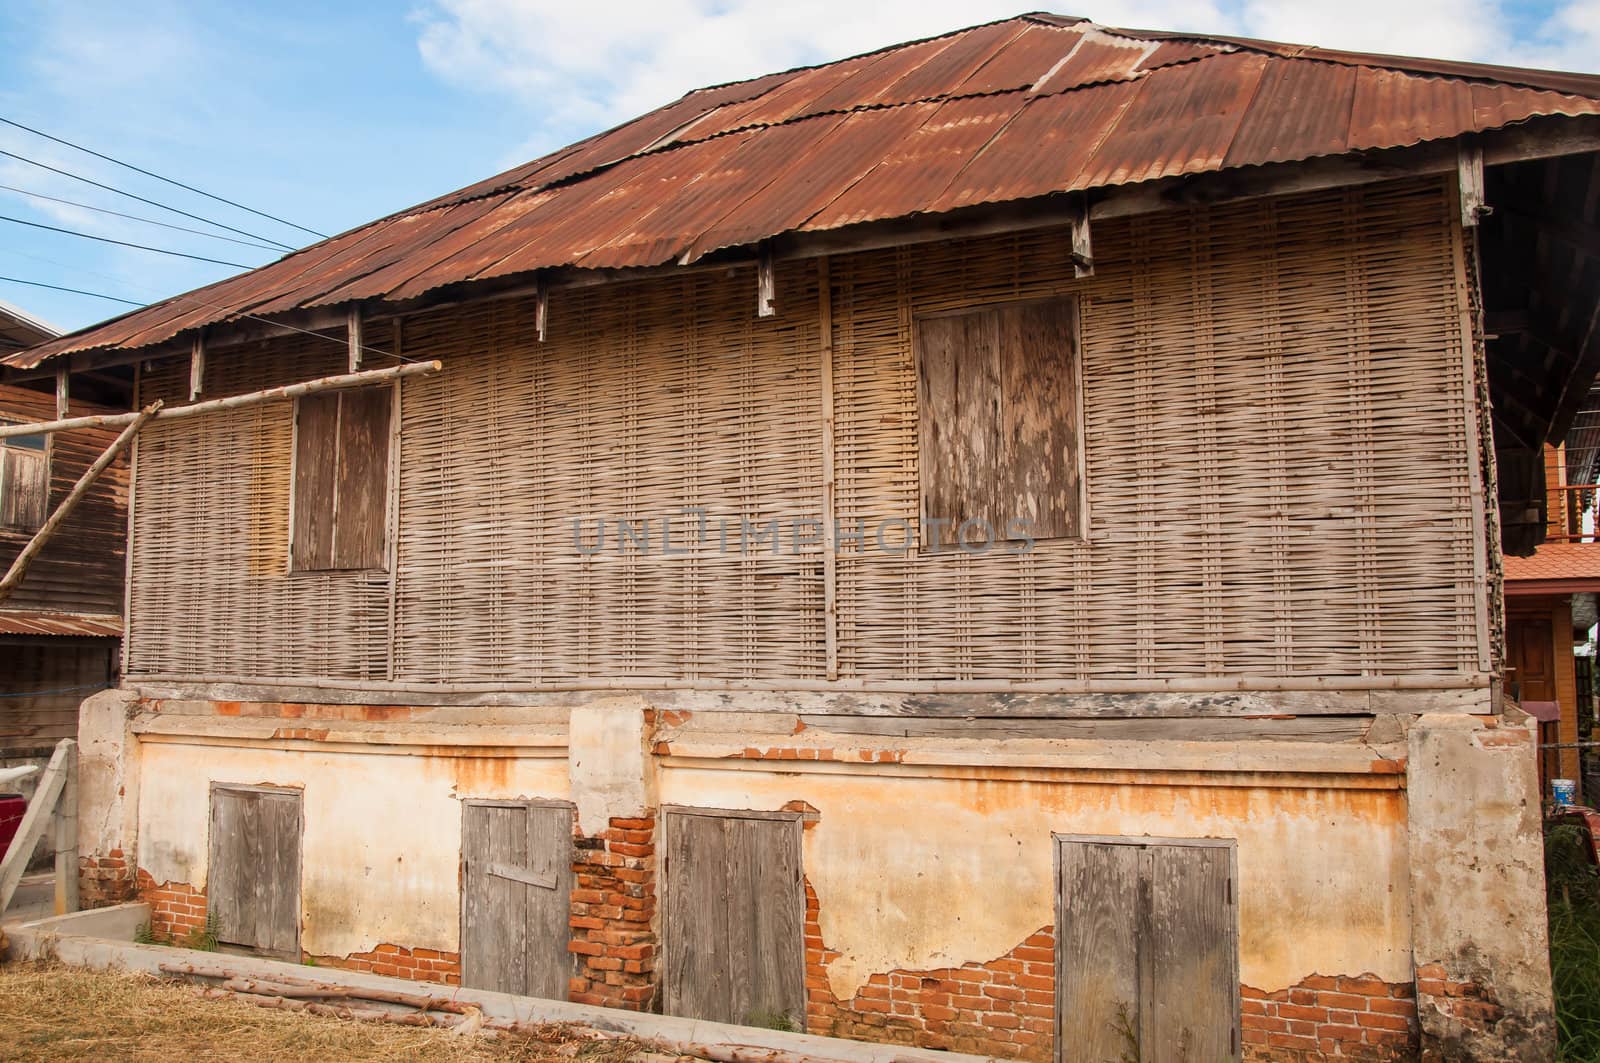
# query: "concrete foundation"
927,860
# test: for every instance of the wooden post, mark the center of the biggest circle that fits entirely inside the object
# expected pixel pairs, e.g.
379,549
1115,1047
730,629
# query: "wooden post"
353,328
541,306
197,366
1082,248
19,566
66,824
63,399
766,284
232,402
34,820
1469,172
830,530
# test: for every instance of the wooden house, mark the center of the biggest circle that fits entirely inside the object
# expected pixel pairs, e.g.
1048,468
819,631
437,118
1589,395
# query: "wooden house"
989,545
60,626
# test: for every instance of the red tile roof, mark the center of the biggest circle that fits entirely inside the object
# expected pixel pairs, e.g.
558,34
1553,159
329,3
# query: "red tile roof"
1032,106
1555,567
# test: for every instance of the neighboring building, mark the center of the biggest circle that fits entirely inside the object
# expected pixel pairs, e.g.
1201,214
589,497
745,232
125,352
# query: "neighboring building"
59,631
1208,752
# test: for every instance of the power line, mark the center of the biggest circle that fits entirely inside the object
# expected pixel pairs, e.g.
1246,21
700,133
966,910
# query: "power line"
124,243
168,180
135,217
74,291
142,199
196,300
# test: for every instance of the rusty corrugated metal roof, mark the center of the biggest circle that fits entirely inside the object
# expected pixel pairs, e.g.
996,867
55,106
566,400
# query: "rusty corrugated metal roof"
1010,110
23,622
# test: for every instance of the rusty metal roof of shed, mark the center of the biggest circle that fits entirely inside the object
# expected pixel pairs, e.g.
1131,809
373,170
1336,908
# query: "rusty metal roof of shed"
1028,107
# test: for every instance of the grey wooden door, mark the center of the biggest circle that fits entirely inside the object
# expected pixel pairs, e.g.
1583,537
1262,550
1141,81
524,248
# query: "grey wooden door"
253,885
1147,961
516,878
733,918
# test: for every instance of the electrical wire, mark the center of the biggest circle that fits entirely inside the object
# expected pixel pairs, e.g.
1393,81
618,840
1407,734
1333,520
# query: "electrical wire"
168,180
123,243
142,199
191,298
74,291
135,217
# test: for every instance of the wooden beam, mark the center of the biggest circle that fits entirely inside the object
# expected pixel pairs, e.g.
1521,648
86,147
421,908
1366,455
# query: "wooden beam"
232,402
63,398
541,306
830,536
66,829
19,564
40,809
1082,249
197,366
352,326
766,284
1469,176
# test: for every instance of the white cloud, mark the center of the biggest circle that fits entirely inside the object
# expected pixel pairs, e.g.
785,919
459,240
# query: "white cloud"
579,68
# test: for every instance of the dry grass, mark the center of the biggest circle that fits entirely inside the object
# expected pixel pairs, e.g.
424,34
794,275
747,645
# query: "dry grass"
54,1012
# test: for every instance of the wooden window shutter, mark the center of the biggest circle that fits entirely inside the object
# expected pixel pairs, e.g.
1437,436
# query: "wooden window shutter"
341,478
24,483
1000,439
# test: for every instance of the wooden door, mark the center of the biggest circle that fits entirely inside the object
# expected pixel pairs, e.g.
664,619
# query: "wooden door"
1530,653
253,885
733,918
1147,963
516,875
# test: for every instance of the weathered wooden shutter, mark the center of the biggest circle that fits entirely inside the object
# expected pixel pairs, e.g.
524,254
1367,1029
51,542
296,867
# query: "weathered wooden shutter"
253,884
341,478
999,433
1146,951
733,930
516,864
24,487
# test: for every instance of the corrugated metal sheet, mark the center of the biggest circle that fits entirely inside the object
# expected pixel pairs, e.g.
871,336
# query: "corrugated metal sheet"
17,622
1006,111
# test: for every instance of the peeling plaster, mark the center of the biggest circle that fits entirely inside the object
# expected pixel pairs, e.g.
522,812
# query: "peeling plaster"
916,873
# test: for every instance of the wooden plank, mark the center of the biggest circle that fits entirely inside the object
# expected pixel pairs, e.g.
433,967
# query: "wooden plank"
494,921
526,876
958,421
356,345
1037,479
361,488
477,938
63,392
1097,952
280,823
766,284
549,963
224,899
695,928
1204,729
767,856
316,442
1469,176
1191,954
1082,246
830,529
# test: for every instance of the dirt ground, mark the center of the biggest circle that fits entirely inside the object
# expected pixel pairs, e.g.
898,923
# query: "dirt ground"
51,1012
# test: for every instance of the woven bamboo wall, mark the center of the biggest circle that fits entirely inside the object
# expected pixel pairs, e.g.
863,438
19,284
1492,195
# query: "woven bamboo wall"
1277,471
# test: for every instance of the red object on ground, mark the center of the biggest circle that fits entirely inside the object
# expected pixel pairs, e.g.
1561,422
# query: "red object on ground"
12,808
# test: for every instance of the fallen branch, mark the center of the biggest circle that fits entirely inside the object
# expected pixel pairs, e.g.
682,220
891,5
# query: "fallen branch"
316,990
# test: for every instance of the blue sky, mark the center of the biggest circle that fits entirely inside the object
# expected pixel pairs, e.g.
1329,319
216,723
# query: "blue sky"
333,114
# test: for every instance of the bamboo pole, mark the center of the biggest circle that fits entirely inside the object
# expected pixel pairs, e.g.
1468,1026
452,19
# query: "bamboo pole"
19,566
830,536
232,402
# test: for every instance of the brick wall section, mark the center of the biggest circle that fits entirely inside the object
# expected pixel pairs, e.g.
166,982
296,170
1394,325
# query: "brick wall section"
1002,1008
1327,1017
613,909
105,880
175,907
419,965
1469,1003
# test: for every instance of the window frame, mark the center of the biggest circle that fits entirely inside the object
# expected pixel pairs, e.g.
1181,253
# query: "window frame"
390,486
1080,457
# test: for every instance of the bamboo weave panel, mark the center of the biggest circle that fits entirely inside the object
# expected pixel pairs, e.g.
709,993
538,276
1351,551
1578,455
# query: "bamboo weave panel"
1276,467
